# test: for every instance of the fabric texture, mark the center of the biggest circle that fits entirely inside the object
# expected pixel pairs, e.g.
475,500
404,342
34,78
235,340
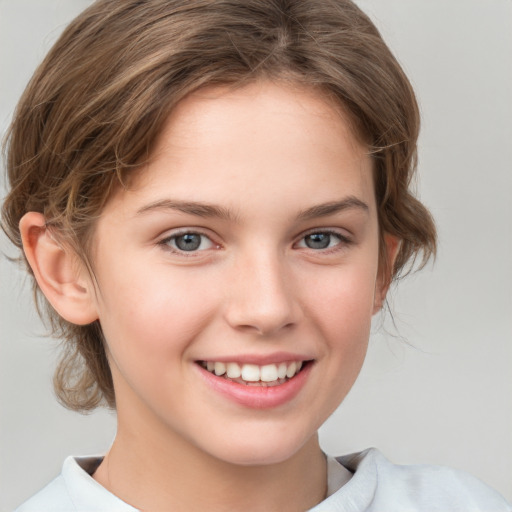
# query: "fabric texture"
361,482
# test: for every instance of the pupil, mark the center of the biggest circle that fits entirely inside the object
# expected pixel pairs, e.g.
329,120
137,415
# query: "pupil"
318,240
188,242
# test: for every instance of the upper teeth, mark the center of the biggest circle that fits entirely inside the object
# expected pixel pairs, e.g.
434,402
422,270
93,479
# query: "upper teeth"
253,372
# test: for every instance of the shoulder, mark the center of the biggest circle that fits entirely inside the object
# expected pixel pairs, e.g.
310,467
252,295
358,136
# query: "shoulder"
54,496
74,490
381,486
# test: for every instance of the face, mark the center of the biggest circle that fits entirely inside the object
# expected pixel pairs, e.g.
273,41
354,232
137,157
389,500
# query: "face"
238,274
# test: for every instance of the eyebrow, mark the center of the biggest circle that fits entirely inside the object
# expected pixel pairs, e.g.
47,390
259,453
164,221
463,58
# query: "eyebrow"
208,210
330,208
190,207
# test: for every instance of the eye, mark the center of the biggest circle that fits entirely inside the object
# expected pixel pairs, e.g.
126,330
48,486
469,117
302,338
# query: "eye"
188,242
322,240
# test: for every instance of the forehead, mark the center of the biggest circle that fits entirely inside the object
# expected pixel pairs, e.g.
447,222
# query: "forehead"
262,107
224,143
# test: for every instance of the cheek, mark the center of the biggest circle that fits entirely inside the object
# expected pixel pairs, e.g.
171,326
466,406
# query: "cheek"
148,312
345,301
343,317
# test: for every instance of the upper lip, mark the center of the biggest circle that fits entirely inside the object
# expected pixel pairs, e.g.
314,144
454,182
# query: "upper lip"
260,359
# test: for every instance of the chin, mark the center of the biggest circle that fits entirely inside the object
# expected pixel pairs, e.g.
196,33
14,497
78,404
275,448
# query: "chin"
268,449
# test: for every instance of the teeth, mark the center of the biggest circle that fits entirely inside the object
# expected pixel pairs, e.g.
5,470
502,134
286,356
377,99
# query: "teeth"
268,373
233,370
220,368
253,372
292,369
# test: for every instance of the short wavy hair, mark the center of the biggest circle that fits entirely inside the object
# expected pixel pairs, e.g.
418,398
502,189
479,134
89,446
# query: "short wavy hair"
95,106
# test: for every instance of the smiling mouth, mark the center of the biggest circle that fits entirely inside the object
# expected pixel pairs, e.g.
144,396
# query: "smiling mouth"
254,375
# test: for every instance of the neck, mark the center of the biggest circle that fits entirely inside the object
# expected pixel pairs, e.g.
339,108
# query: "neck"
173,475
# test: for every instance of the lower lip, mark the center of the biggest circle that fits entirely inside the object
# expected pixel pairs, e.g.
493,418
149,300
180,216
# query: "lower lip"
257,397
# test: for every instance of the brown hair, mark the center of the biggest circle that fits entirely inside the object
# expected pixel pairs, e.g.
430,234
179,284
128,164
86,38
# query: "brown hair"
96,104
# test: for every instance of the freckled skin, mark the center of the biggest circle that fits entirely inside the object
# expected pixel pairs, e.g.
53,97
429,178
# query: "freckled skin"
265,152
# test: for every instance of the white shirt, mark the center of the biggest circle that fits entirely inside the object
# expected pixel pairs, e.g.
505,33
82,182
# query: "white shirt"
361,482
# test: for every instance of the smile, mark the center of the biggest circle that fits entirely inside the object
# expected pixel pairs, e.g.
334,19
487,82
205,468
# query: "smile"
257,386
252,374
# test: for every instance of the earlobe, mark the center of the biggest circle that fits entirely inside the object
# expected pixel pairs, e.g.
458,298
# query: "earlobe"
58,271
392,246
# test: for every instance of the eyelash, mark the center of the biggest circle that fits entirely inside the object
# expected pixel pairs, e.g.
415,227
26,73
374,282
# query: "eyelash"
166,243
344,241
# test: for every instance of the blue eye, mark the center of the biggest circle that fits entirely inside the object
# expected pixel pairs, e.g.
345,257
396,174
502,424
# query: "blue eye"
188,242
322,240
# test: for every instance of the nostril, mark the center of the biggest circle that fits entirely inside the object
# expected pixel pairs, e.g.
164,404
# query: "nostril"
264,329
261,319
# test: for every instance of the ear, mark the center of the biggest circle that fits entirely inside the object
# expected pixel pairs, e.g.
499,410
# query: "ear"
391,247
60,274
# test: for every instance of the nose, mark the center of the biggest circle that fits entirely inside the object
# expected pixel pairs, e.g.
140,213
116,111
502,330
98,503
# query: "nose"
261,296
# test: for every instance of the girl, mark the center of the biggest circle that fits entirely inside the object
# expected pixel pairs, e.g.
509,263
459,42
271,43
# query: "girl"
213,199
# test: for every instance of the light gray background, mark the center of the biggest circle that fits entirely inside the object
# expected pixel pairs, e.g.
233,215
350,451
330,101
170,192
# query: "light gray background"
447,398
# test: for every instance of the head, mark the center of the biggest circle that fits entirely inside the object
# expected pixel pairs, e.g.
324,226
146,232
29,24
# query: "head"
89,121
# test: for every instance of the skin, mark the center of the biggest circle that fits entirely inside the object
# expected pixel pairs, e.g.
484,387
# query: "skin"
262,155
